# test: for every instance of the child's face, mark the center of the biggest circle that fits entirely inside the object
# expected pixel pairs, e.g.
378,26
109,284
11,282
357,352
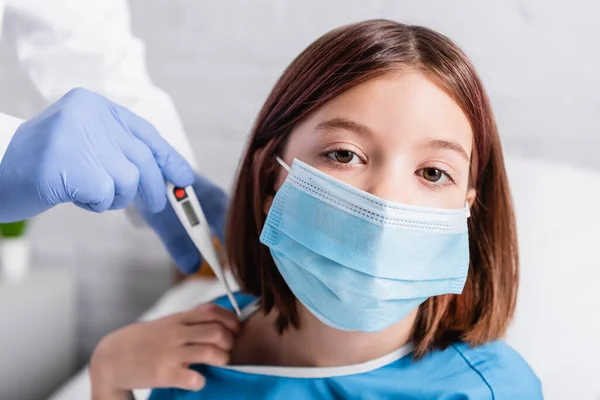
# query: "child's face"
399,137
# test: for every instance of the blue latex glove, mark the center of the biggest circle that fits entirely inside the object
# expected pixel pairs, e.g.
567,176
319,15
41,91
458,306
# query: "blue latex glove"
172,233
89,151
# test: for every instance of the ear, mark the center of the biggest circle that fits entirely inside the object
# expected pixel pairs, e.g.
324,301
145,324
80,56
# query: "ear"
281,174
471,195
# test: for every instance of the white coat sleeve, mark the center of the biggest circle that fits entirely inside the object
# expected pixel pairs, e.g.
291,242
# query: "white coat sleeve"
8,126
64,44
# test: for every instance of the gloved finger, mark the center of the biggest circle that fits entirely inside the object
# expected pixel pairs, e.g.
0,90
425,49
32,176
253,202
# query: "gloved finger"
173,235
184,253
172,164
214,203
98,195
151,182
126,178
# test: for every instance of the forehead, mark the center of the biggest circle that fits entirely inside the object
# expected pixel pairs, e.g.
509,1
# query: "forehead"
401,108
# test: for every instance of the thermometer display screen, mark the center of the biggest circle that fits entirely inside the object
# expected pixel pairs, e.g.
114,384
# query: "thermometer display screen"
190,213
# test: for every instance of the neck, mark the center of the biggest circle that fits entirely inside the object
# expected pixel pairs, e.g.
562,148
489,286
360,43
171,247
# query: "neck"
318,345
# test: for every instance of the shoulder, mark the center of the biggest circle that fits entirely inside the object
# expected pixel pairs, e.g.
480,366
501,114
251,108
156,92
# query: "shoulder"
501,369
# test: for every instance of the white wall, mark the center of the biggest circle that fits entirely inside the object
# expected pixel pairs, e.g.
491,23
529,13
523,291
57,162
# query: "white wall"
539,60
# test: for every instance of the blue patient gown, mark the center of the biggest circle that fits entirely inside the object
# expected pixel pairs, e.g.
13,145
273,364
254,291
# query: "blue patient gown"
493,371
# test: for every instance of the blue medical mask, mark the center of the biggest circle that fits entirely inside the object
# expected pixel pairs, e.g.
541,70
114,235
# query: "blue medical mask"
359,262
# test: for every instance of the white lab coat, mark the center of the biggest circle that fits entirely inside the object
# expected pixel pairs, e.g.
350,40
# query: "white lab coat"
87,43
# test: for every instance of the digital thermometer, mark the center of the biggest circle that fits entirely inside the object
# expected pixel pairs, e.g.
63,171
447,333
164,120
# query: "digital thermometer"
188,210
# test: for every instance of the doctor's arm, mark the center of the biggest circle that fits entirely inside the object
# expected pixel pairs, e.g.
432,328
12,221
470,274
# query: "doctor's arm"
65,44
87,43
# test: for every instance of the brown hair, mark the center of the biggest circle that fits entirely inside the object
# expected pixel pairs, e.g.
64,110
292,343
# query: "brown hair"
336,62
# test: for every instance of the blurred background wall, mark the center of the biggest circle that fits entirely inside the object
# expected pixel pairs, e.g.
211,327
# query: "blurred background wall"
540,61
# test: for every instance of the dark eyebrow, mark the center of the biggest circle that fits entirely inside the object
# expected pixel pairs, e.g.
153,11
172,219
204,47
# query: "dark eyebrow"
363,130
343,123
447,145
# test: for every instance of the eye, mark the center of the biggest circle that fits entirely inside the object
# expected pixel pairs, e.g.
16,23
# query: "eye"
344,157
434,175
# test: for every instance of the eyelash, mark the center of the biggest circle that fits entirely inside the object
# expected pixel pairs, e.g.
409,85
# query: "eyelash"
432,185
337,164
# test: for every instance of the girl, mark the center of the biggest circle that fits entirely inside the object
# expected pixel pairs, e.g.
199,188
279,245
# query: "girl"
372,223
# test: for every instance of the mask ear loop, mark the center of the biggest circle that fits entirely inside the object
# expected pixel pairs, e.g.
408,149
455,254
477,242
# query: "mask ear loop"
467,209
282,163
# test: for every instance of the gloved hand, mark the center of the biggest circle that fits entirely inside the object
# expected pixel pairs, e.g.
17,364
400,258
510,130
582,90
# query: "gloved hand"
172,233
89,151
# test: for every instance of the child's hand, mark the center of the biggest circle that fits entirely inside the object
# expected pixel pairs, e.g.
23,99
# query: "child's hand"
157,354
